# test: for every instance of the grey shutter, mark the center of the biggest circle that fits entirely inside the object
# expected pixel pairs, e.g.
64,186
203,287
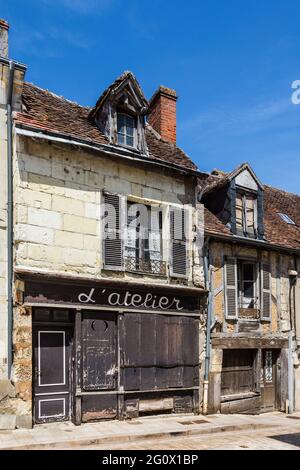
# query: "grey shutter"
178,261
265,291
260,214
231,291
232,196
112,232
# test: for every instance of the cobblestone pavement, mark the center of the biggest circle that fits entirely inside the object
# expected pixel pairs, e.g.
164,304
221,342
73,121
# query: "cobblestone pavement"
286,439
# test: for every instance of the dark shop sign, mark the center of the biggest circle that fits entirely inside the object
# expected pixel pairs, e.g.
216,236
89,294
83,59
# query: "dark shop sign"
38,292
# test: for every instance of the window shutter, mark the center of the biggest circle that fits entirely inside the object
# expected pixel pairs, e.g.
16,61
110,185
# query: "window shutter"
265,291
260,213
178,244
155,235
112,232
232,195
231,288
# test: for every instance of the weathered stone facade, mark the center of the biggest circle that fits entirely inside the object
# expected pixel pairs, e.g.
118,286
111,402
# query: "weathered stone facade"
276,328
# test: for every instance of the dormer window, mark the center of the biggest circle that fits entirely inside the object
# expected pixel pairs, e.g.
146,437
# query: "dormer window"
126,129
246,213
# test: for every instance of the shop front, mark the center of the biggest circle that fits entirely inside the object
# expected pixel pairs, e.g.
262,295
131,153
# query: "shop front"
108,350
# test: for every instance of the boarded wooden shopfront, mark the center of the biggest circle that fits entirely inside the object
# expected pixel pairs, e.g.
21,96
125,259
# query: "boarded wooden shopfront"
102,351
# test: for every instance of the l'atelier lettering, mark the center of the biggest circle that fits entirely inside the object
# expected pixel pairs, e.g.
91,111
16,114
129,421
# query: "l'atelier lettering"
129,299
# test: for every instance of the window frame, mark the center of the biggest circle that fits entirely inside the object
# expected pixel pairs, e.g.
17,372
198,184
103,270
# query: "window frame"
143,247
125,135
241,262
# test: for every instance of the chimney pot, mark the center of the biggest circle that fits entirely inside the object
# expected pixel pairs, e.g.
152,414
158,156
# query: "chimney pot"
4,27
162,113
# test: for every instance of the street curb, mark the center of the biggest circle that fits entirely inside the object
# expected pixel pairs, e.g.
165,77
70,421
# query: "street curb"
68,444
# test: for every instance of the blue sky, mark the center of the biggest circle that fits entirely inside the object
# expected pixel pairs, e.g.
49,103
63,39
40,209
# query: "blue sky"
232,63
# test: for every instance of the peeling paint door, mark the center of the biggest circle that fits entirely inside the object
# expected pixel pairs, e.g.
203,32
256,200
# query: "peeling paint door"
268,379
99,367
51,373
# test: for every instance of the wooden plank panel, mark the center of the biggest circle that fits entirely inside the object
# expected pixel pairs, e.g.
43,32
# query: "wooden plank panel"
99,362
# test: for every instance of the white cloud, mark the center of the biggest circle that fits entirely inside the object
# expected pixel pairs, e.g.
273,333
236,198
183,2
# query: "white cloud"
236,121
81,6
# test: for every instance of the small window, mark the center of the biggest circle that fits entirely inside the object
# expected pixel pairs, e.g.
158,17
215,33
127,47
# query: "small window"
286,218
246,213
247,274
126,129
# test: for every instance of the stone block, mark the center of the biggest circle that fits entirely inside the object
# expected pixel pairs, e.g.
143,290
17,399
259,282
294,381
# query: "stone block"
158,182
80,192
151,193
68,239
24,422
7,422
92,211
117,185
91,243
44,218
7,389
34,164
45,184
31,198
33,234
67,205
73,223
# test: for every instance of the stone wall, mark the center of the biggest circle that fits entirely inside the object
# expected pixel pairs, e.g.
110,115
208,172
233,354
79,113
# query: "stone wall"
57,205
3,225
280,265
280,318
57,196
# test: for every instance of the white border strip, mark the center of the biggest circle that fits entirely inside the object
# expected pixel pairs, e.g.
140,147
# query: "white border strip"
53,416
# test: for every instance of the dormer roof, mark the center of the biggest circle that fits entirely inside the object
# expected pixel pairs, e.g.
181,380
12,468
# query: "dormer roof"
124,83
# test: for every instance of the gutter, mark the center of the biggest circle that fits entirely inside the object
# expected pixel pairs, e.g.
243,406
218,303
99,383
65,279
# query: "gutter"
253,242
107,149
10,220
17,65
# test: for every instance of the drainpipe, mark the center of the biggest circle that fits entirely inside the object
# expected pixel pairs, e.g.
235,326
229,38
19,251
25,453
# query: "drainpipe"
208,327
293,274
10,219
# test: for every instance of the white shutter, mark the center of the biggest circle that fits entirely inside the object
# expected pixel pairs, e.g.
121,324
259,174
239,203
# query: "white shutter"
265,291
113,222
178,243
231,290
155,251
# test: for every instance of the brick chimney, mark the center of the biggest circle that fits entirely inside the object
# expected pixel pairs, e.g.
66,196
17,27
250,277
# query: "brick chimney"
4,27
162,113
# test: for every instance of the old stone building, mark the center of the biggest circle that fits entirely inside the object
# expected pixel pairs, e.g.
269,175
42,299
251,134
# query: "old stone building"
252,246
108,287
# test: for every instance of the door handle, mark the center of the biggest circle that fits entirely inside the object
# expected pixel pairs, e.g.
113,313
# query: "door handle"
37,372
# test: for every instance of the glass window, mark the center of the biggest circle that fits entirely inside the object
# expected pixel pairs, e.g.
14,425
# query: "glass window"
143,246
125,128
247,284
286,218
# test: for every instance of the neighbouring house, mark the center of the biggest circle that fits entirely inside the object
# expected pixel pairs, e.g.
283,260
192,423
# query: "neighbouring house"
252,234
107,318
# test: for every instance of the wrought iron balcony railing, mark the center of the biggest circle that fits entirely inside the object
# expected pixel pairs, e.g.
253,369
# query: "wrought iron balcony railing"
157,267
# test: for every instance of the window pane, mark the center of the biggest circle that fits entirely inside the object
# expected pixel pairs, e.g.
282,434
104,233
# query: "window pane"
121,138
129,125
121,123
249,290
248,272
129,141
